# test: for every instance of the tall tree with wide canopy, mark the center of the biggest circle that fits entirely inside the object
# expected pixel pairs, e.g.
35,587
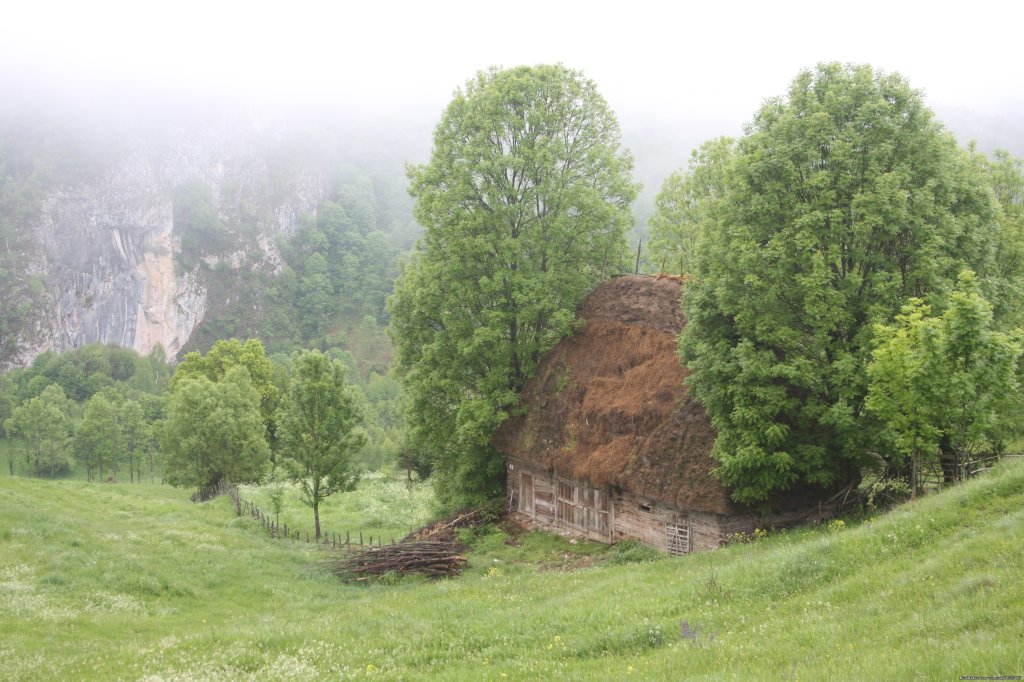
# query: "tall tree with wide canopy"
230,353
319,429
844,199
524,202
213,431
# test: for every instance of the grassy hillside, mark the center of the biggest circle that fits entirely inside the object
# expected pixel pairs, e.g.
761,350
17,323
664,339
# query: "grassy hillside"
135,582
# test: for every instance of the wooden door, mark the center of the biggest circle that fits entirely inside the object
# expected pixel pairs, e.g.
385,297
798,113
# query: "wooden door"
526,493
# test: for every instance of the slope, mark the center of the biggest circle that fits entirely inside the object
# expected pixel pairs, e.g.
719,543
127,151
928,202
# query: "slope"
119,582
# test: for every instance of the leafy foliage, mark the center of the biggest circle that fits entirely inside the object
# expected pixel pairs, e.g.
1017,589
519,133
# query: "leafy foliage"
99,440
226,355
319,429
83,372
945,380
214,431
684,206
44,424
1005,175
524,202
110,397
843,200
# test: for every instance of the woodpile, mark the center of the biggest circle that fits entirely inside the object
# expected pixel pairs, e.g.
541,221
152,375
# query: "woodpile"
433,558
445,529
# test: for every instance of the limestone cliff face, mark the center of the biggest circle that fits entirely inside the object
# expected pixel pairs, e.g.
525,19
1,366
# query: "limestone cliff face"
106,247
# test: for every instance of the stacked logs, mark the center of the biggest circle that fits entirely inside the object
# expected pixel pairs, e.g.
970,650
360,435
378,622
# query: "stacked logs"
427,557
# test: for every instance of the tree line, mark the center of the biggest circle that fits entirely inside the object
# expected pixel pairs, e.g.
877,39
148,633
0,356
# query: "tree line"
232,415
855,276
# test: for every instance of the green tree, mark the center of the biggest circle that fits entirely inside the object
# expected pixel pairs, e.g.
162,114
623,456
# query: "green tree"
844,200
222,358
947,380
524,203
214,431
43,424
133,433
7,400
98,437
319,428
684,206
1006,176
316,296
7,405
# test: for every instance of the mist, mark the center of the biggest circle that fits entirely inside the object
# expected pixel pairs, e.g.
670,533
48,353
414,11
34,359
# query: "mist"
676,76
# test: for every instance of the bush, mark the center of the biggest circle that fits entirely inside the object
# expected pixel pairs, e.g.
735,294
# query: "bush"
631,552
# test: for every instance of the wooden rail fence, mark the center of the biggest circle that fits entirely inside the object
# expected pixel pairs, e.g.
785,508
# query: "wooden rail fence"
349,541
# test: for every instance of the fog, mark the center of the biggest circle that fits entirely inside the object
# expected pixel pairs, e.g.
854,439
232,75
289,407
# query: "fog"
675,75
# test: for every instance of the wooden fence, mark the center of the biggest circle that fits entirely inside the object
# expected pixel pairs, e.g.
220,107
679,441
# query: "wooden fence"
350,541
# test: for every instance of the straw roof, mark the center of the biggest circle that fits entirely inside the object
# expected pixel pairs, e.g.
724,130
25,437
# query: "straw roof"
608,402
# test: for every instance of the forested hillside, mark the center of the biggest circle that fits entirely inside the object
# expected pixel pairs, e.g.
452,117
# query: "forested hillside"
178,233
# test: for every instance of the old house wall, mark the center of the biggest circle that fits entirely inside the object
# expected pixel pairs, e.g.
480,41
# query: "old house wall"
656,524
622,515
559,502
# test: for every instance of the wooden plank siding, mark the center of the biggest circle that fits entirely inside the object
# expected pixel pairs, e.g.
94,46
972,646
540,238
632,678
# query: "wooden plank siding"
611,514
560,502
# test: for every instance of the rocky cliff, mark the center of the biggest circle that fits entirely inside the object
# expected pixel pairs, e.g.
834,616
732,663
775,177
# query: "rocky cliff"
107,248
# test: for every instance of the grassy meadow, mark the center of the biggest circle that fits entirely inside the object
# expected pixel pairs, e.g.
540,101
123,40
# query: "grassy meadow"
109,582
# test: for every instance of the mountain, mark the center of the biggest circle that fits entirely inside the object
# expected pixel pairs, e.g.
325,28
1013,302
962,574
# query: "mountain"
119,237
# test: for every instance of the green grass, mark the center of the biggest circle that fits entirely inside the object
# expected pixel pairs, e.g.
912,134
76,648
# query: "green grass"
134,582
383,507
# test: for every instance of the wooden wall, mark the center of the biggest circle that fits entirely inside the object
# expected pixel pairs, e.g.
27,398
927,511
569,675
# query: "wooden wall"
631,517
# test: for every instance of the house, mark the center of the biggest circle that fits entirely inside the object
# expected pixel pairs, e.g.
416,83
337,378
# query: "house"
612,447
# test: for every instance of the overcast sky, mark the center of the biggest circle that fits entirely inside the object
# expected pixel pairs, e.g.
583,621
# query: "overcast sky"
708,67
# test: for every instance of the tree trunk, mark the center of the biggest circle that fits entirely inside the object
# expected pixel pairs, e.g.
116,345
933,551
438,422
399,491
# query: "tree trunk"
914,475
949,462
316,519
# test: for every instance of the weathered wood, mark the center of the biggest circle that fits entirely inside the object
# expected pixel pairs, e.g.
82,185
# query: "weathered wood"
429,557
615,515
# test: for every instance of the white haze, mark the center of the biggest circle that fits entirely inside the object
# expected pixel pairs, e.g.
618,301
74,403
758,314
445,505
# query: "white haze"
671,71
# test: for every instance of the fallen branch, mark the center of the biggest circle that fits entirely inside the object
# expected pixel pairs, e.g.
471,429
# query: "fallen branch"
445,528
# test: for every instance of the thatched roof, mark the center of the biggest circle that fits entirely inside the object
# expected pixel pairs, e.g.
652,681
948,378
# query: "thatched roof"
608,403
